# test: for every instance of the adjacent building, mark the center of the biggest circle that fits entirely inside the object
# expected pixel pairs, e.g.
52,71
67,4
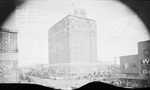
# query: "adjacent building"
8,56
137,66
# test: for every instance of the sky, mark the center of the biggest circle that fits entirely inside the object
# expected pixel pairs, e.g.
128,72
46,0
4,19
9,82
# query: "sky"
118,28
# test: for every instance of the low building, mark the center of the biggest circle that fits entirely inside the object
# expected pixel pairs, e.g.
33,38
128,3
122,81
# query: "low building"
137,67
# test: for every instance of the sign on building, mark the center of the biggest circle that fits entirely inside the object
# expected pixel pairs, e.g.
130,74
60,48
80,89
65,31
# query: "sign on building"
144,56
129,64
145,66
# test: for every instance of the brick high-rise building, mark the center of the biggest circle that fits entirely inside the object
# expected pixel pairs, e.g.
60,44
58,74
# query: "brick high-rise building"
72,43
8,56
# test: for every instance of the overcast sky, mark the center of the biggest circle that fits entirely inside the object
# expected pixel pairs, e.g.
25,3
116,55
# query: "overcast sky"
118,28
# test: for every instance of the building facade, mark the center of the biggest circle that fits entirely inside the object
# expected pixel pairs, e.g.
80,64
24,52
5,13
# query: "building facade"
144,58
137,66
8,56
72,41
130,66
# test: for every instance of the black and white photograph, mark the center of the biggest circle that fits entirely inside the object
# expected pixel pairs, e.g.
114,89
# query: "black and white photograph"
74,44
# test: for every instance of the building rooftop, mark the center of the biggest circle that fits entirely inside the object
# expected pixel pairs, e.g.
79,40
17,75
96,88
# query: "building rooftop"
73,16
146,41
82,17
8,30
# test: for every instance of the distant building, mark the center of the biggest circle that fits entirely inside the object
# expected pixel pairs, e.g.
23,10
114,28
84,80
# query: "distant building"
72,43
8,56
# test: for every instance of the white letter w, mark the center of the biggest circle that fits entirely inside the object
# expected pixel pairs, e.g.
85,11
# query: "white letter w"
145,61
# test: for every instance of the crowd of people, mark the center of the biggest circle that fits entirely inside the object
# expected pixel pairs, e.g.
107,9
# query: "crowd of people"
130,83
49,74
106,76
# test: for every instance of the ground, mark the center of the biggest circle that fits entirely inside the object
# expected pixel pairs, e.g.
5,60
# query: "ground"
58,83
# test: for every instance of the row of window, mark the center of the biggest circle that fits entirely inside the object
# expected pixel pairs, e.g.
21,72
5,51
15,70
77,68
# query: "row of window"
8,47
83,24
8,42
8,64
80,56
7,35
59,26
8,51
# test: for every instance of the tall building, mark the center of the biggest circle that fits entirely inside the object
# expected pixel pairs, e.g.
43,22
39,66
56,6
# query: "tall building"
8,56
72,43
